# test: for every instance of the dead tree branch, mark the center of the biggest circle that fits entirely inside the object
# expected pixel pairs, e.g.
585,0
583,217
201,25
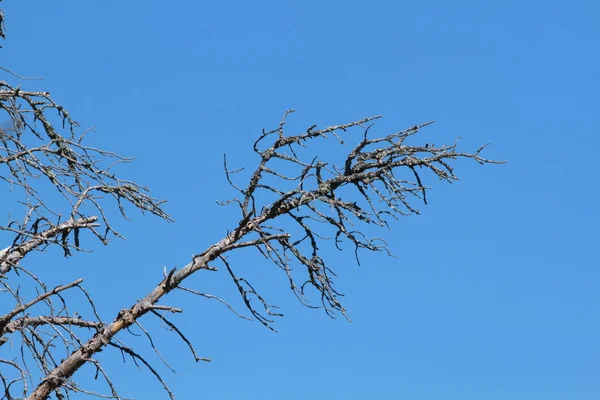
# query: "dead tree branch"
289,208
59,188
373,168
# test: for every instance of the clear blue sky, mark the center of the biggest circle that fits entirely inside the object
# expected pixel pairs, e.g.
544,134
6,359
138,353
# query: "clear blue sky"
494,291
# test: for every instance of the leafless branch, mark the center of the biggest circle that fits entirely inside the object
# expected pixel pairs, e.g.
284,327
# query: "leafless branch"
60,187
373,168
41,150
290,208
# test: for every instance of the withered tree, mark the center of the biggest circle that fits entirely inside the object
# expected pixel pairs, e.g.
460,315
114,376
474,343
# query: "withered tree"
289,206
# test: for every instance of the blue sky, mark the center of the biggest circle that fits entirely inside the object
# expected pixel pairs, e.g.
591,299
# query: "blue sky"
493,293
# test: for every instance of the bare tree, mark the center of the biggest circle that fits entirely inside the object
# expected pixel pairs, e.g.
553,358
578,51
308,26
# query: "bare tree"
288,208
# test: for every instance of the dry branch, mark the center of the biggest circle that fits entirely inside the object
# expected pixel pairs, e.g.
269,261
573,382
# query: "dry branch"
61,187
64,186
372,168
